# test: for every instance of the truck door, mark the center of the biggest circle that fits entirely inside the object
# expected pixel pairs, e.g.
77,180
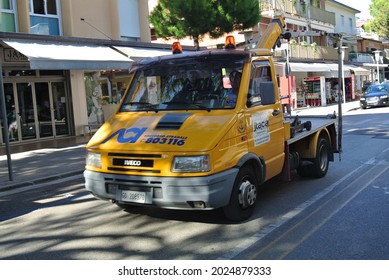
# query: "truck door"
264,117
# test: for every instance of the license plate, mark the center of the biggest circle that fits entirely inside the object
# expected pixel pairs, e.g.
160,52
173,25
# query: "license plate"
133,196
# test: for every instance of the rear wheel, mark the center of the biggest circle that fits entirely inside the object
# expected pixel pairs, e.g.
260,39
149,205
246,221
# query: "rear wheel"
319,166
321,162
243,196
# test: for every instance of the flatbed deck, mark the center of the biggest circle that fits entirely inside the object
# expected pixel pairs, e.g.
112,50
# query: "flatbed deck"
318,123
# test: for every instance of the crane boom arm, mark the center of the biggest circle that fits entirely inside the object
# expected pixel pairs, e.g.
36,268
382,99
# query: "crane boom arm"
272,33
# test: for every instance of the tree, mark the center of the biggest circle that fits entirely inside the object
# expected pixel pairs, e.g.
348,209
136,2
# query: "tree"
196,18
379,10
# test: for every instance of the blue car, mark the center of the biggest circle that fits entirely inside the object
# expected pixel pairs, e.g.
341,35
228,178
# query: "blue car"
376,95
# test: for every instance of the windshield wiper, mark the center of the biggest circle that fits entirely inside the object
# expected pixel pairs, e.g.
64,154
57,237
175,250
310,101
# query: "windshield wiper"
188,104
146,105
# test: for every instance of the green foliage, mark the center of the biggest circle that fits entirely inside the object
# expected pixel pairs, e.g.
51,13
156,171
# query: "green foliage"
293,43
379,9
195,18
314,47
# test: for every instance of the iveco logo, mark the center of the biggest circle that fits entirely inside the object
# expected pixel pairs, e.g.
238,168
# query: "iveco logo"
132,163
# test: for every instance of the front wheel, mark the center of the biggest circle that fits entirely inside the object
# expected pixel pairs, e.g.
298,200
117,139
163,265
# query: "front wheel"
243,196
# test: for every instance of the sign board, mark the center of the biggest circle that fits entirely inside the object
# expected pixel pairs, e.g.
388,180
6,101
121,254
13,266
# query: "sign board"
12,55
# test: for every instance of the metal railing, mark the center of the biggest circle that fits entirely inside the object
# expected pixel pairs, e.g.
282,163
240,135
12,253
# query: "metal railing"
310,52
298,8
361,57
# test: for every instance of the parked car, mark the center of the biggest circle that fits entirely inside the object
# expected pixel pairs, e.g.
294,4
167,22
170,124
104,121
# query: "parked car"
376,95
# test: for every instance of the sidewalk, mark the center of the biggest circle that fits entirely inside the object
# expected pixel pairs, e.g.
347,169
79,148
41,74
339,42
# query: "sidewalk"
34,164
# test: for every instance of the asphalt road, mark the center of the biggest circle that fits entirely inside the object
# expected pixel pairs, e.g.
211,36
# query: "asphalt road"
341,216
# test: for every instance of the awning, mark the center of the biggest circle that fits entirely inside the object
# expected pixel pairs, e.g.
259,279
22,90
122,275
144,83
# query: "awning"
374,65
309,67
359,71
52,56
140,53
329,70
334,69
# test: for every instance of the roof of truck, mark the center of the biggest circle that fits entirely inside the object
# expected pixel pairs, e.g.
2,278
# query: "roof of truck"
205,53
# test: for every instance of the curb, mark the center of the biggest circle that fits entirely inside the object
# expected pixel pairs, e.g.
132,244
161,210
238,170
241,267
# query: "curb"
39,181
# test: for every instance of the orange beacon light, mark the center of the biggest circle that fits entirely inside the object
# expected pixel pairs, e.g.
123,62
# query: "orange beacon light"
176,48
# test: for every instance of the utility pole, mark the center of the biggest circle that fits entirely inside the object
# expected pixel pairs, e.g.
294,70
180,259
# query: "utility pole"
340,96
5,125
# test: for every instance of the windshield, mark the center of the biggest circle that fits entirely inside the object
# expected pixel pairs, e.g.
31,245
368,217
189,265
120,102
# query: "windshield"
194,83
378,88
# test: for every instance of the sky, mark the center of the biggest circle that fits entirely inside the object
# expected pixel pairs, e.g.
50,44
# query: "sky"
361,5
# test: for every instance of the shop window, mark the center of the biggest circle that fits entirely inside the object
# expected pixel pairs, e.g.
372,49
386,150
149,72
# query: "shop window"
51,73
104,91
21,73
8,23
45,17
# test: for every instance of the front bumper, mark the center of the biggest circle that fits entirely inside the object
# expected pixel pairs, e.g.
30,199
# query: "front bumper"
207,192
374,102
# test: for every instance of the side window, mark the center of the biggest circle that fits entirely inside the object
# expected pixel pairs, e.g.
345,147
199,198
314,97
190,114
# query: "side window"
261,88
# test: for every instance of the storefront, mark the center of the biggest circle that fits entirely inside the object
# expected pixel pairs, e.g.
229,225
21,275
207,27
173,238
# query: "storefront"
37,104
316,84
54,89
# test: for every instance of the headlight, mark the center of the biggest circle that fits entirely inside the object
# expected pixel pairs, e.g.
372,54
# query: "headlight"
363,99
93,159
383,96
191,164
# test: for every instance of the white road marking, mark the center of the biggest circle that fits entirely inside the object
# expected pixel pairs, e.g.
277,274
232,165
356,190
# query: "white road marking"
289,215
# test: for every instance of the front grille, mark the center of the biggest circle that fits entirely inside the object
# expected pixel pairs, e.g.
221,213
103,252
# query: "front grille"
372,99
133,170
134,155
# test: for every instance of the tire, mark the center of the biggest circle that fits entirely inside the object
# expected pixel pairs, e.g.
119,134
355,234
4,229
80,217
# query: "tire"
243,196
321,162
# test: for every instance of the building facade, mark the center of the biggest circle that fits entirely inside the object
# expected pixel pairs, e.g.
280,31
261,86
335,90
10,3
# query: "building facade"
65,63
313,60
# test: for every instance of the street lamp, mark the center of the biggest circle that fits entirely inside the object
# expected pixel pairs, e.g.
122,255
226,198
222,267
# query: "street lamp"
377,58
341,85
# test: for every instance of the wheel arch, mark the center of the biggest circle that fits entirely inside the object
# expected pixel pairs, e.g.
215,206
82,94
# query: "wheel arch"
307,147
258,165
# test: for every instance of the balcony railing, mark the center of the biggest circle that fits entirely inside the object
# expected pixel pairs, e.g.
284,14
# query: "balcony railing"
322,15
311,52
283,6
361,57
298,8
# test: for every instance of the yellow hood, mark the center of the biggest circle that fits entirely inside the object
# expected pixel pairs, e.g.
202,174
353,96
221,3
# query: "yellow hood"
164,131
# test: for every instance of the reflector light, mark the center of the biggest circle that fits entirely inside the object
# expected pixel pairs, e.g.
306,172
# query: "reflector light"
230,42
176,48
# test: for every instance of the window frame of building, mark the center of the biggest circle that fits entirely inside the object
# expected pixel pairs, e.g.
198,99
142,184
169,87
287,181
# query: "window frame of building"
43,14
351,25
8,16
342,21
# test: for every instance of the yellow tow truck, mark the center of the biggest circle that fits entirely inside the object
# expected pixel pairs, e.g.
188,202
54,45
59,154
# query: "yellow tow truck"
205,130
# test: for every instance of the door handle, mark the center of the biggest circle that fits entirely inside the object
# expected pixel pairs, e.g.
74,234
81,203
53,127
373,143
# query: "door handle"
276,112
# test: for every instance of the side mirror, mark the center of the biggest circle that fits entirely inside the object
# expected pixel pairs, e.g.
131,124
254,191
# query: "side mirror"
267,93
